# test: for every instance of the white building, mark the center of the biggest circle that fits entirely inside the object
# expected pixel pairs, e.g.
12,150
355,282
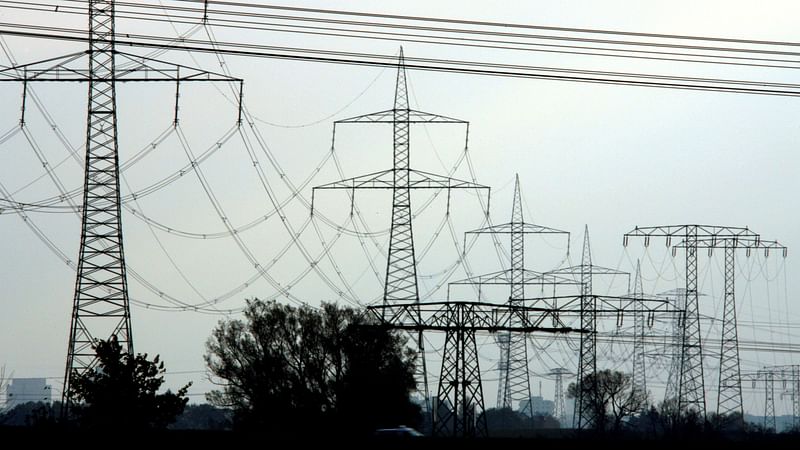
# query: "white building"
539,405
24,390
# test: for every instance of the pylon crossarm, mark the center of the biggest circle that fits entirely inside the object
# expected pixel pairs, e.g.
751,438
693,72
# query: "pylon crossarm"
746,242
700,231
503,277
416,180
514,316
74,67
604,304
475,316
375,180
414,116
527,228
594,270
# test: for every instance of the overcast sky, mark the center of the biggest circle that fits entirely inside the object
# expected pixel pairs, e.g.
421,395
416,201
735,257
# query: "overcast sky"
612,157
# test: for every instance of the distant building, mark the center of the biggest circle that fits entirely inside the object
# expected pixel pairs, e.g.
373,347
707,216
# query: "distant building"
539,405
24,390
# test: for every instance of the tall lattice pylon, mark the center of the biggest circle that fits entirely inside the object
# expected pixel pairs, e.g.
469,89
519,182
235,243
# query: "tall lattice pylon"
584,417
691,385
729,399
460,395
639,374
769,400
514,380
588,349
676,297
559,405
400,284
101,307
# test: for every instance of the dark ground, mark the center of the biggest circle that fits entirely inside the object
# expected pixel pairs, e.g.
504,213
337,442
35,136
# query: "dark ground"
227,440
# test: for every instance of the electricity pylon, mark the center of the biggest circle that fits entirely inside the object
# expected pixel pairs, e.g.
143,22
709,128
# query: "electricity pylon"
559,405
514,381
460,407
584,417
639,373
729,399
691,385
400,285
101,307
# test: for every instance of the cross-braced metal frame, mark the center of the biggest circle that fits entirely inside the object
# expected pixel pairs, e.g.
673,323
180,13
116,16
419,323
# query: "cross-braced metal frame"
400,284
691,384
729,399
583,417
101,306
639,366
514,380
460,408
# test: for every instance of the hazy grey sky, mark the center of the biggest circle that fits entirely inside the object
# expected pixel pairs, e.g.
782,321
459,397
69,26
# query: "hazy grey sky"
612,157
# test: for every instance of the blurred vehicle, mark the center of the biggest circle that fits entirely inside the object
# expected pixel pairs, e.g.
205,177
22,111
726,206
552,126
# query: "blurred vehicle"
401,431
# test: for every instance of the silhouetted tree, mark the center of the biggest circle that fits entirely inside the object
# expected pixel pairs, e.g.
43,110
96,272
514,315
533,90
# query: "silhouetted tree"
202,417
122,392
30,414
610,396
284,368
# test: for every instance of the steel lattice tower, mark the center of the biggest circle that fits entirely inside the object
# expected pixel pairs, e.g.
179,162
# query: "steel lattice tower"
514,380
401,269
101,307
769,400
729,399
787,375
677,298
639,373
588,349
460,383
584,418
691,384
559,407
400,286
730,379
691,389
795,396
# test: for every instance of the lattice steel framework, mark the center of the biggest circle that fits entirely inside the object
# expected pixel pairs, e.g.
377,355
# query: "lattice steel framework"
769,400
583,418
400,284
101,307
559,405
691,386
729,399
460,384
514,380
788,376
677,298
460,408
639,371
100,304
